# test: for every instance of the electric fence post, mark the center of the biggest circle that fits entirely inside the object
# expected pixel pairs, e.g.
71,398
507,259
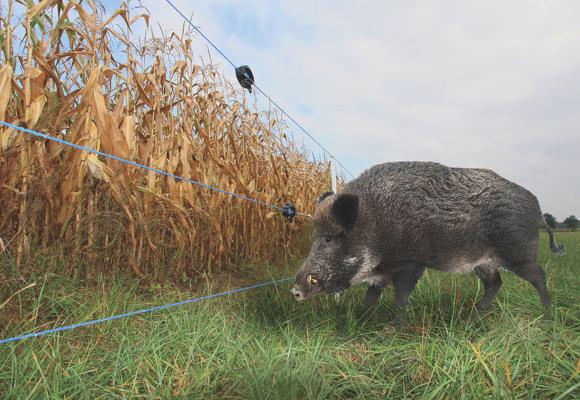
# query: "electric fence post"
333,188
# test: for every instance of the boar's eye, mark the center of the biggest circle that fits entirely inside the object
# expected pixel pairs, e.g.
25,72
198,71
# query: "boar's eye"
312,280
329,238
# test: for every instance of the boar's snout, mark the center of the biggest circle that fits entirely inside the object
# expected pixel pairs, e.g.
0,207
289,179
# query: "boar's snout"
307,283
297,293
310,280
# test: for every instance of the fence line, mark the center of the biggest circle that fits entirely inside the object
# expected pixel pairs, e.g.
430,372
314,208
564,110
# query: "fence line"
143,311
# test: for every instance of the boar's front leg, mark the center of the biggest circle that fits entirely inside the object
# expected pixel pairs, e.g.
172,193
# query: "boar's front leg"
404,282
375,288
373,294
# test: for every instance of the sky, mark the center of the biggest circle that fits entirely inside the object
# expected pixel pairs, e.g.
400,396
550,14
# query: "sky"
491,84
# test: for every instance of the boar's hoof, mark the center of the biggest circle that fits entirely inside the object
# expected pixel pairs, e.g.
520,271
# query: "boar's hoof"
368,313
398,322
547,314
482,307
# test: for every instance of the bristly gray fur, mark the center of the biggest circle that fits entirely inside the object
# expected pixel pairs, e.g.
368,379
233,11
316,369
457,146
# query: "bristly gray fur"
423,215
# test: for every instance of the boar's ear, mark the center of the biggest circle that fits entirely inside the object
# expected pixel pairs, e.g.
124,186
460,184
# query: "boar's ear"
324,196
345,210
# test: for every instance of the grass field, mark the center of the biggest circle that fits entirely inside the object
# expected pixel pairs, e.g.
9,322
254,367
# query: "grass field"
265,345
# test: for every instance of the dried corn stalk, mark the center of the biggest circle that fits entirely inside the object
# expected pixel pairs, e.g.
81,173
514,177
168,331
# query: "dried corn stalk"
85,80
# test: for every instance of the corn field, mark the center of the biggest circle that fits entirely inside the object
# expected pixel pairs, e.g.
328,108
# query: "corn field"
69,71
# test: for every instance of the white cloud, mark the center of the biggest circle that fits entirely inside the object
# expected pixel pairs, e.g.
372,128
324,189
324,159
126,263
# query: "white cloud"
485,84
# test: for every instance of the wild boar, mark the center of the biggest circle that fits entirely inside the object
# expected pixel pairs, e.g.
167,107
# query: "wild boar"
396,219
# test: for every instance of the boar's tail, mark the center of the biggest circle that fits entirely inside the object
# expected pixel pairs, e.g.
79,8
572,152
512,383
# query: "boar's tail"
559,249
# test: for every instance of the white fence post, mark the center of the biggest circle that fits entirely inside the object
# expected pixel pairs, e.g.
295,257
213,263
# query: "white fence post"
333,183
333,174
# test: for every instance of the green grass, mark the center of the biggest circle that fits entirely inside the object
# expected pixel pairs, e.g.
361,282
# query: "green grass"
263,344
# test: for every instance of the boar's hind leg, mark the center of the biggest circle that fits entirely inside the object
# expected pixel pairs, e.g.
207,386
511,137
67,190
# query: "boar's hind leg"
534,274
491,280
404,282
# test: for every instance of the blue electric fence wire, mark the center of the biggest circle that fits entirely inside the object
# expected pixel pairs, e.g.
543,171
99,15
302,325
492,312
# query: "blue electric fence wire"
134,164
258,88
132,313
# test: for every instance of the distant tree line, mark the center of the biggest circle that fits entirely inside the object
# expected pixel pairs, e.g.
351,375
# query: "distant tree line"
570,223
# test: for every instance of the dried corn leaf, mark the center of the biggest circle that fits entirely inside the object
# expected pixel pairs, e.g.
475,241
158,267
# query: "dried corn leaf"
39,8
35,110
98,169
7,136
5,89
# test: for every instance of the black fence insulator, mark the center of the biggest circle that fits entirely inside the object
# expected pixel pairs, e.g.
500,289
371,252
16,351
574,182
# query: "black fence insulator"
289,212
245,77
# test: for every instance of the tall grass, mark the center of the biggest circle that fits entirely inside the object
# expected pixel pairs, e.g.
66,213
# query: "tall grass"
265,345
68,71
